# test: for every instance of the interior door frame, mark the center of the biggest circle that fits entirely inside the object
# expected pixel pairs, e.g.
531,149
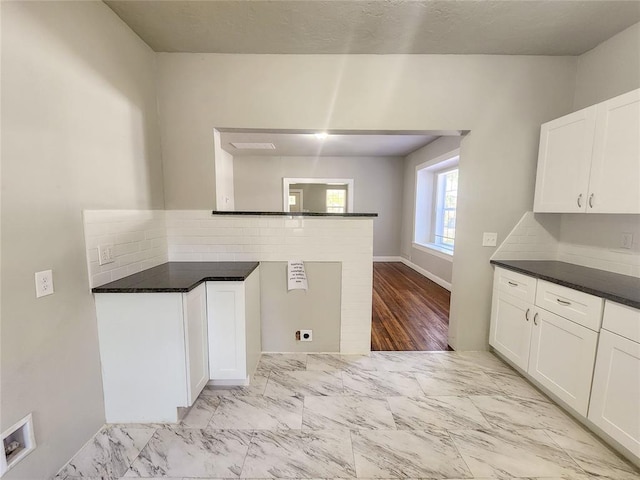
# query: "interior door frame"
286,181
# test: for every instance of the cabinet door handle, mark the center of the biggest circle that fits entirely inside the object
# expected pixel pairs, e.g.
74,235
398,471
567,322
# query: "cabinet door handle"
535,319
562,302
513,284
591,201
526,314
579,201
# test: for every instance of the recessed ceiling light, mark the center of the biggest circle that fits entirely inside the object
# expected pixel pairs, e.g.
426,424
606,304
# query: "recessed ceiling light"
321,135
253,146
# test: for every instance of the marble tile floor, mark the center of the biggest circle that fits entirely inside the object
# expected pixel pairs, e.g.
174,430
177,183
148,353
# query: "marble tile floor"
390,415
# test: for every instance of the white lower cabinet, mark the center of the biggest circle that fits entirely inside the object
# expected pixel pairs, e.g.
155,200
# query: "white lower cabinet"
510,331
615,398
558,352
562,358
195,323
153,353
234,329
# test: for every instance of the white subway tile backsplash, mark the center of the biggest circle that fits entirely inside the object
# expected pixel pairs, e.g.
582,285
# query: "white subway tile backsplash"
138,238
143,239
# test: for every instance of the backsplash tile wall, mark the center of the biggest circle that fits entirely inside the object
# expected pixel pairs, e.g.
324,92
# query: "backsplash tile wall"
196,235
595,241
139,239
535,237
589,240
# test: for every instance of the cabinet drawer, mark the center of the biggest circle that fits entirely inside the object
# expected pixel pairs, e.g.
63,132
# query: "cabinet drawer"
623,320
579,307
515,284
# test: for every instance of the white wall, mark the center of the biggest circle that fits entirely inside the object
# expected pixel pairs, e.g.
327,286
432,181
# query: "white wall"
432,263
501,99
610,69
79,130
377,188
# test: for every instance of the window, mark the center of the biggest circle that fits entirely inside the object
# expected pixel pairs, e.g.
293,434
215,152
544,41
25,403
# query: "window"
336,201
436,201
444,230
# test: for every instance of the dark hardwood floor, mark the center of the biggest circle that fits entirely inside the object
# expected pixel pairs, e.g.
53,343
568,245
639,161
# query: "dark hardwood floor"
410,312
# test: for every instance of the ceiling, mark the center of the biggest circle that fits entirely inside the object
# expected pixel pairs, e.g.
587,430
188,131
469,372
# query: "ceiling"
337,144
509,27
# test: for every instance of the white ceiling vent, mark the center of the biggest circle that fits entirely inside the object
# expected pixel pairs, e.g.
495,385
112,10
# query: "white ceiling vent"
253,146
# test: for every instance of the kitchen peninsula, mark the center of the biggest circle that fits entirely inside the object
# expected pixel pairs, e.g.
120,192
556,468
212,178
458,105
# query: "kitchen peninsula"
211,265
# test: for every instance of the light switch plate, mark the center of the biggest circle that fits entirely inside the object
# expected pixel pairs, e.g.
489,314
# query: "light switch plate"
105,254
489,239
44,283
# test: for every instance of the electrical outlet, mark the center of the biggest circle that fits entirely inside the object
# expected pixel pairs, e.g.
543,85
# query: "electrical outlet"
306,335
489,239
44,283
105,254
627,240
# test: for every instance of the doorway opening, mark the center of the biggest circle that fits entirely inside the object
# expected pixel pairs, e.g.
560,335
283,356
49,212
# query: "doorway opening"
399,175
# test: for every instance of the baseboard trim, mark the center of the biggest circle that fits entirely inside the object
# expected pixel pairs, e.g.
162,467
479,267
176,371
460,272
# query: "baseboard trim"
387,259
434,278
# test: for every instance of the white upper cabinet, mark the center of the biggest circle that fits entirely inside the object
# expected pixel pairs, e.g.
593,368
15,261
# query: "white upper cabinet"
564,162
589,161
615,168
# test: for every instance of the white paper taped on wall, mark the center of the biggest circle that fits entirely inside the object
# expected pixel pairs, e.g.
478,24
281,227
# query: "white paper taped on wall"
297,275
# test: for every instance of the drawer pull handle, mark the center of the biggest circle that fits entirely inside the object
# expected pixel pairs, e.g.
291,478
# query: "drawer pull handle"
579,202
591,201
535,319
563,302
526,314
513,284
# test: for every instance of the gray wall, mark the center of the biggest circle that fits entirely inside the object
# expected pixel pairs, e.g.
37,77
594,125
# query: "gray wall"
438,266
501,99
79,131
377,188
317,309
610,69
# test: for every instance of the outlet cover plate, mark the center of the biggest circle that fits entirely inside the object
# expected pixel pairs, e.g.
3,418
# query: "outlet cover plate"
627,240
306,335
44,283
105,254
489,239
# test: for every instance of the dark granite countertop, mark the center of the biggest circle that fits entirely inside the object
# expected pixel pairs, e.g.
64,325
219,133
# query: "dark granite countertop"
295,214
611,286
179,277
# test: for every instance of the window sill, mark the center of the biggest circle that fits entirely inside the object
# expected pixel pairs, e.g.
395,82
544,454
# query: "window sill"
435,250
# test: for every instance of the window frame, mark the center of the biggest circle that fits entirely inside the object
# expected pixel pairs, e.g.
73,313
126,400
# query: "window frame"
336,208
425,203
437,228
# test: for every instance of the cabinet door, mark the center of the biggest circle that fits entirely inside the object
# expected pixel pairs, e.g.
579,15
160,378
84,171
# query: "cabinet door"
564,162
195,315
562,358
615,398
227,331
615,172
510,331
